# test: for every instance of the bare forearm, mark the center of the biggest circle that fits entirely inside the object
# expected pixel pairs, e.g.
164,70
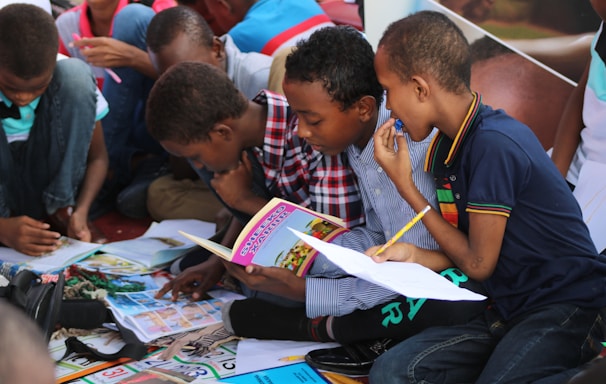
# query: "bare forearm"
435,260
140,61
96,170
455,245
567,136
250,205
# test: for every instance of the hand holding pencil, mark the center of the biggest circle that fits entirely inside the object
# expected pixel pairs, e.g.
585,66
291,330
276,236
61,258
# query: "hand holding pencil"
109,71
402,231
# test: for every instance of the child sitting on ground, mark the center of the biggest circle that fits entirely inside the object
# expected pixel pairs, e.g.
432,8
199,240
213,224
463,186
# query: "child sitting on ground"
247,153
181,34
52,153
506,217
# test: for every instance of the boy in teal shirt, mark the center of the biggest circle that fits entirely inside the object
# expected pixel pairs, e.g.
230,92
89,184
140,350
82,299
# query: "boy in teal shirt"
52,154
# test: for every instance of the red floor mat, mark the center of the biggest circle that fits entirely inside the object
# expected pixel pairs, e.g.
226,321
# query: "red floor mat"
117,227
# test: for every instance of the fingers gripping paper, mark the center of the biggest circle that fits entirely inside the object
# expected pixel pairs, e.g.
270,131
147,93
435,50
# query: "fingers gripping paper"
409,279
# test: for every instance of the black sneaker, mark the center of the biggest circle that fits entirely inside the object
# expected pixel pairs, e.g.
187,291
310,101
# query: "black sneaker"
351,359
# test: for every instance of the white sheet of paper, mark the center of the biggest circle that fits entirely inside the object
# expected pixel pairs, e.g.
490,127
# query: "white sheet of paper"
590,192
254,354
171,228
409,279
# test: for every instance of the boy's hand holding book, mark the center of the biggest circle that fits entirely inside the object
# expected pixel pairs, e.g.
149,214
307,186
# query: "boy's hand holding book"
274,280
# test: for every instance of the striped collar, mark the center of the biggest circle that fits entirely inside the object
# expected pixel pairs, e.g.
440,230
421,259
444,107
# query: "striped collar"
442,147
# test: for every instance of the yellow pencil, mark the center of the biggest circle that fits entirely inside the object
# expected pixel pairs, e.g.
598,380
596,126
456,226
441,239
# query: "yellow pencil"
402,231
337,378
292,358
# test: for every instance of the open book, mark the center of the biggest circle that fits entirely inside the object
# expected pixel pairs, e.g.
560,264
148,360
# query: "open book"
69,252
159,245
267,241
150,318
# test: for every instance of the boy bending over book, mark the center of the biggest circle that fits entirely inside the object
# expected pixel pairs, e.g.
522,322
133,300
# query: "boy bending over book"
52,153
248,153
513,224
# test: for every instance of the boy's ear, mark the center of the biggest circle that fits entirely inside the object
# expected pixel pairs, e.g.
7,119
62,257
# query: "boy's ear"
218,49
222,132
421,87
366,107
226,4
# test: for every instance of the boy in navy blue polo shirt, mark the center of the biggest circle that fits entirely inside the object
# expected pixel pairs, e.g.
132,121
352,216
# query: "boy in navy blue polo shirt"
506,217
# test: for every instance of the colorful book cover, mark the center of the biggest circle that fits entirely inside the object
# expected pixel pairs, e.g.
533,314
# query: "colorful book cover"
292,374
267,241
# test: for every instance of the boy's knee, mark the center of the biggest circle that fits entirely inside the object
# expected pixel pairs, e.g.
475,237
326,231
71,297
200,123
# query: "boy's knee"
74,78
388,368
130,24
134,13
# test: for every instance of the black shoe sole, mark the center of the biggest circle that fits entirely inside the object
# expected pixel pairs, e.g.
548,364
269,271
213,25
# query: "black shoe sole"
357,370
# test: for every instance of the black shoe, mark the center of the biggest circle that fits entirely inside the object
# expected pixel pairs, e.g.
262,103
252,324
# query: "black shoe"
352,359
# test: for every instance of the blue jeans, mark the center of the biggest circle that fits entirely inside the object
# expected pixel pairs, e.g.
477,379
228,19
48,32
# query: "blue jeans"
540,346
124,126
43,173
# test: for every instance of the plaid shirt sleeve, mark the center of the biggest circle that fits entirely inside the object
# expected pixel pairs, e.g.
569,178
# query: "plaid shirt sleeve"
297,173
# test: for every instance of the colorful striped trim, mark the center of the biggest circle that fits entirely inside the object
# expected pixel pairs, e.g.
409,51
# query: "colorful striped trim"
432,152
434,148
464,130
489,208
273,44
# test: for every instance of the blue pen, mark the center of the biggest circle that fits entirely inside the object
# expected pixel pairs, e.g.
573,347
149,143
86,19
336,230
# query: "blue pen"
399,125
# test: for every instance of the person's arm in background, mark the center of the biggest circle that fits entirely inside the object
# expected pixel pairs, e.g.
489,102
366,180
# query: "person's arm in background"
235,188
567,136
109,52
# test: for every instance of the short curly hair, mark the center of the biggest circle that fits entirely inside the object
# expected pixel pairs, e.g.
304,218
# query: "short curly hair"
429,43
30,41
166,25
188,100
342,59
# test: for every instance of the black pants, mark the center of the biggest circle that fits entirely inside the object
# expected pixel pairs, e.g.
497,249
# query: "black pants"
403,317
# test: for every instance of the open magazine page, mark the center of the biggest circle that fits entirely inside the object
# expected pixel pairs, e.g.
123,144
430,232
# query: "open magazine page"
115,265
267,241
151,318
161,243
219,363
70,251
